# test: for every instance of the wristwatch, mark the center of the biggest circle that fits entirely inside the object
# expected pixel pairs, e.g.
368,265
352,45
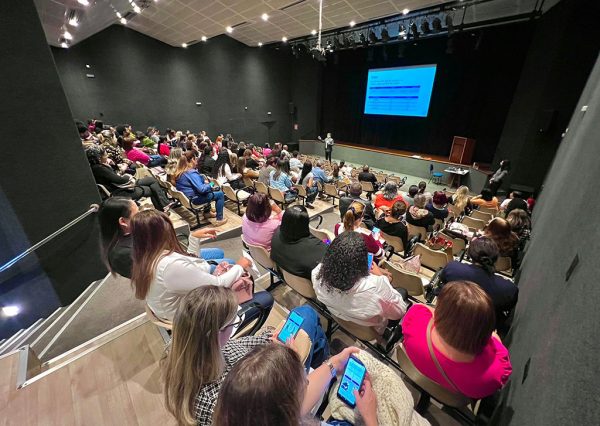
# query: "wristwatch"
331,368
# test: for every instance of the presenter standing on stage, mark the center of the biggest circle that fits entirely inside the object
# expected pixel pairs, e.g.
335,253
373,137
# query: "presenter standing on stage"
496,180
328,146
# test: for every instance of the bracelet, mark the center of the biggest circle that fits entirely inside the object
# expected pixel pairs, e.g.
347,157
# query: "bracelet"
332,369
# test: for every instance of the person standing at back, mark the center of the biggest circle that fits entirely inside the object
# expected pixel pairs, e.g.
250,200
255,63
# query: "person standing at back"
498,177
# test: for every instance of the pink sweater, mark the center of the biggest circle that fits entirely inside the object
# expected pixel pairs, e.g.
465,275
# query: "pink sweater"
483,376
260,234
138,155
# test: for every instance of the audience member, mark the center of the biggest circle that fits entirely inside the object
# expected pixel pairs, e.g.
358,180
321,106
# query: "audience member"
206,163
520,224
351,222
437,205
500,231
409,197
319,174
280,179
393,222
485,199
367,176
251,162
162,273
418,215
346,170
461,200
222,171
266,150
354,194
267,168
261,220
293,247
483,253
246,172
137,155
454,344
307,181
202,354
516,202
295,163
284,153
172,161
422,190
386,199
192,184
352,292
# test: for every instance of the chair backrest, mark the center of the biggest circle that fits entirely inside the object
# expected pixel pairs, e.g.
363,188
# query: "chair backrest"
439,223
395,242
432,259
260,254
403,279
261,187
276,195
322,234
331,190
503,264
455,210
475,224
486,217
361,332
341,184
301,285
301,190
438,392
395,179
458,244
416,230
248,182
490,210
181,197
229,192
158,321
103,191
141,171
367,186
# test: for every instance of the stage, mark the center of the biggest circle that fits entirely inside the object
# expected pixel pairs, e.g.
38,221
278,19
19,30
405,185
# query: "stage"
399,162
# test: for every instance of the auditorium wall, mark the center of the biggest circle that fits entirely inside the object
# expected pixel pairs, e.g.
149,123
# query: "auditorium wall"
144,82
472,93
45,180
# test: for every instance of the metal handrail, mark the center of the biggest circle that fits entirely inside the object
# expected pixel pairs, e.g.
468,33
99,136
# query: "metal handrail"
93,209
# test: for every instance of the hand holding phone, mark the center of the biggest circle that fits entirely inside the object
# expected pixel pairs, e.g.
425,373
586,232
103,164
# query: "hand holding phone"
291,327
369,261
352,381
366,402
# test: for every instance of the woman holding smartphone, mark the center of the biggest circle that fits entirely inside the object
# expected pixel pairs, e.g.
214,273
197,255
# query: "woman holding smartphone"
287,394
202,353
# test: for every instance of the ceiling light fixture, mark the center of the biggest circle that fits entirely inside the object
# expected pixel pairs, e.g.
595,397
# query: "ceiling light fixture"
259,44
73,18
136,8
64,43
265,17
203,38
184,45
229,29
405,11
119,15
84,2
314,32
67,35
123,21
352,23
284,39
11,311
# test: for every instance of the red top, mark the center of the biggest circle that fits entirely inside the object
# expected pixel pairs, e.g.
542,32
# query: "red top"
483,376
164,149
373,246
380,201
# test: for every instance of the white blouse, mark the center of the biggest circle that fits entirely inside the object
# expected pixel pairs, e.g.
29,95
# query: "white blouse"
176,275
372,301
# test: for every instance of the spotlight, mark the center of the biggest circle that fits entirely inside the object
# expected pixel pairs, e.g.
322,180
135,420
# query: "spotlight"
352,23
203,38
184,45
314,32
436,24
259,44
64,43
385,36
425,27
414,30
265,17
284,39
136,8
67,35
405,11
11,311
372,37
119,15
73,18
229,29
123,21
83,2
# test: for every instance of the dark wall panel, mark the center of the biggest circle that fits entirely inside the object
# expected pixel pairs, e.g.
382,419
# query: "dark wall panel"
144,82
45,178
476,77
554,341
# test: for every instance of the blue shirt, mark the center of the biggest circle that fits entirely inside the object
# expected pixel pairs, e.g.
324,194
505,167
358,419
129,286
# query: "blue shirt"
320,175
283,182
192,184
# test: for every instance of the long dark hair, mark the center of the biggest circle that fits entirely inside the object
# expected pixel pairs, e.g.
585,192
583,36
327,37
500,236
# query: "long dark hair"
294,223
111,211
220,163
205,154
306,169
345,262
283,166
483,251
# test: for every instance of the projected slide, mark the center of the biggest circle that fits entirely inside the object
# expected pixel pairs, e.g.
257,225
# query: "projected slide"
404,91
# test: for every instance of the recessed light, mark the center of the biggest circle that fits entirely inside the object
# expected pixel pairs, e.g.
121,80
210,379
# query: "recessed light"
352,23
64,45
88,66
259,44
265,17
229,30
84,2
136,8
203,38
314,32
11,311
284,39
119,15
405,11
184,45
123,21
67,35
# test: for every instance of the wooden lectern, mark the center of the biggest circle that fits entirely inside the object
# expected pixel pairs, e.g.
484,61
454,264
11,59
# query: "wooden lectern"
462,150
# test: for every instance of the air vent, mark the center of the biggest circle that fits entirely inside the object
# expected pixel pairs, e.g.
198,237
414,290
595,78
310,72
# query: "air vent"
296,3
239,25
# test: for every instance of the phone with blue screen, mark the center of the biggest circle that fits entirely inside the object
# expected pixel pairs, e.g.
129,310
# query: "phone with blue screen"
369,261
375,230
291,327
353,378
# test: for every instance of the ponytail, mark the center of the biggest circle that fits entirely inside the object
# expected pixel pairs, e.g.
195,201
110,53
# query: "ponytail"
354,212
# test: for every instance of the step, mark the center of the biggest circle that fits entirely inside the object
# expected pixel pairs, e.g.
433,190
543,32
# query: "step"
11,339
40,344
43,326
17,343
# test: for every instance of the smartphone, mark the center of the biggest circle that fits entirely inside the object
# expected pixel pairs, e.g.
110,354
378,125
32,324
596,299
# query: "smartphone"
375,231
369,261
352,380
291,327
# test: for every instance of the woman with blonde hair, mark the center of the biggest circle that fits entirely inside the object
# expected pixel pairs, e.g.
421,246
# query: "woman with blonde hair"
202,353
461,200
351,221
172,161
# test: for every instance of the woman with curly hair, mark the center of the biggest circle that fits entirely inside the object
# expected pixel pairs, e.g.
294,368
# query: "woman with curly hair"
352,292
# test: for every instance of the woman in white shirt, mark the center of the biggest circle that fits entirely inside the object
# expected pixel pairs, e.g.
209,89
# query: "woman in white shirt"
350,291
163,273
222,171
